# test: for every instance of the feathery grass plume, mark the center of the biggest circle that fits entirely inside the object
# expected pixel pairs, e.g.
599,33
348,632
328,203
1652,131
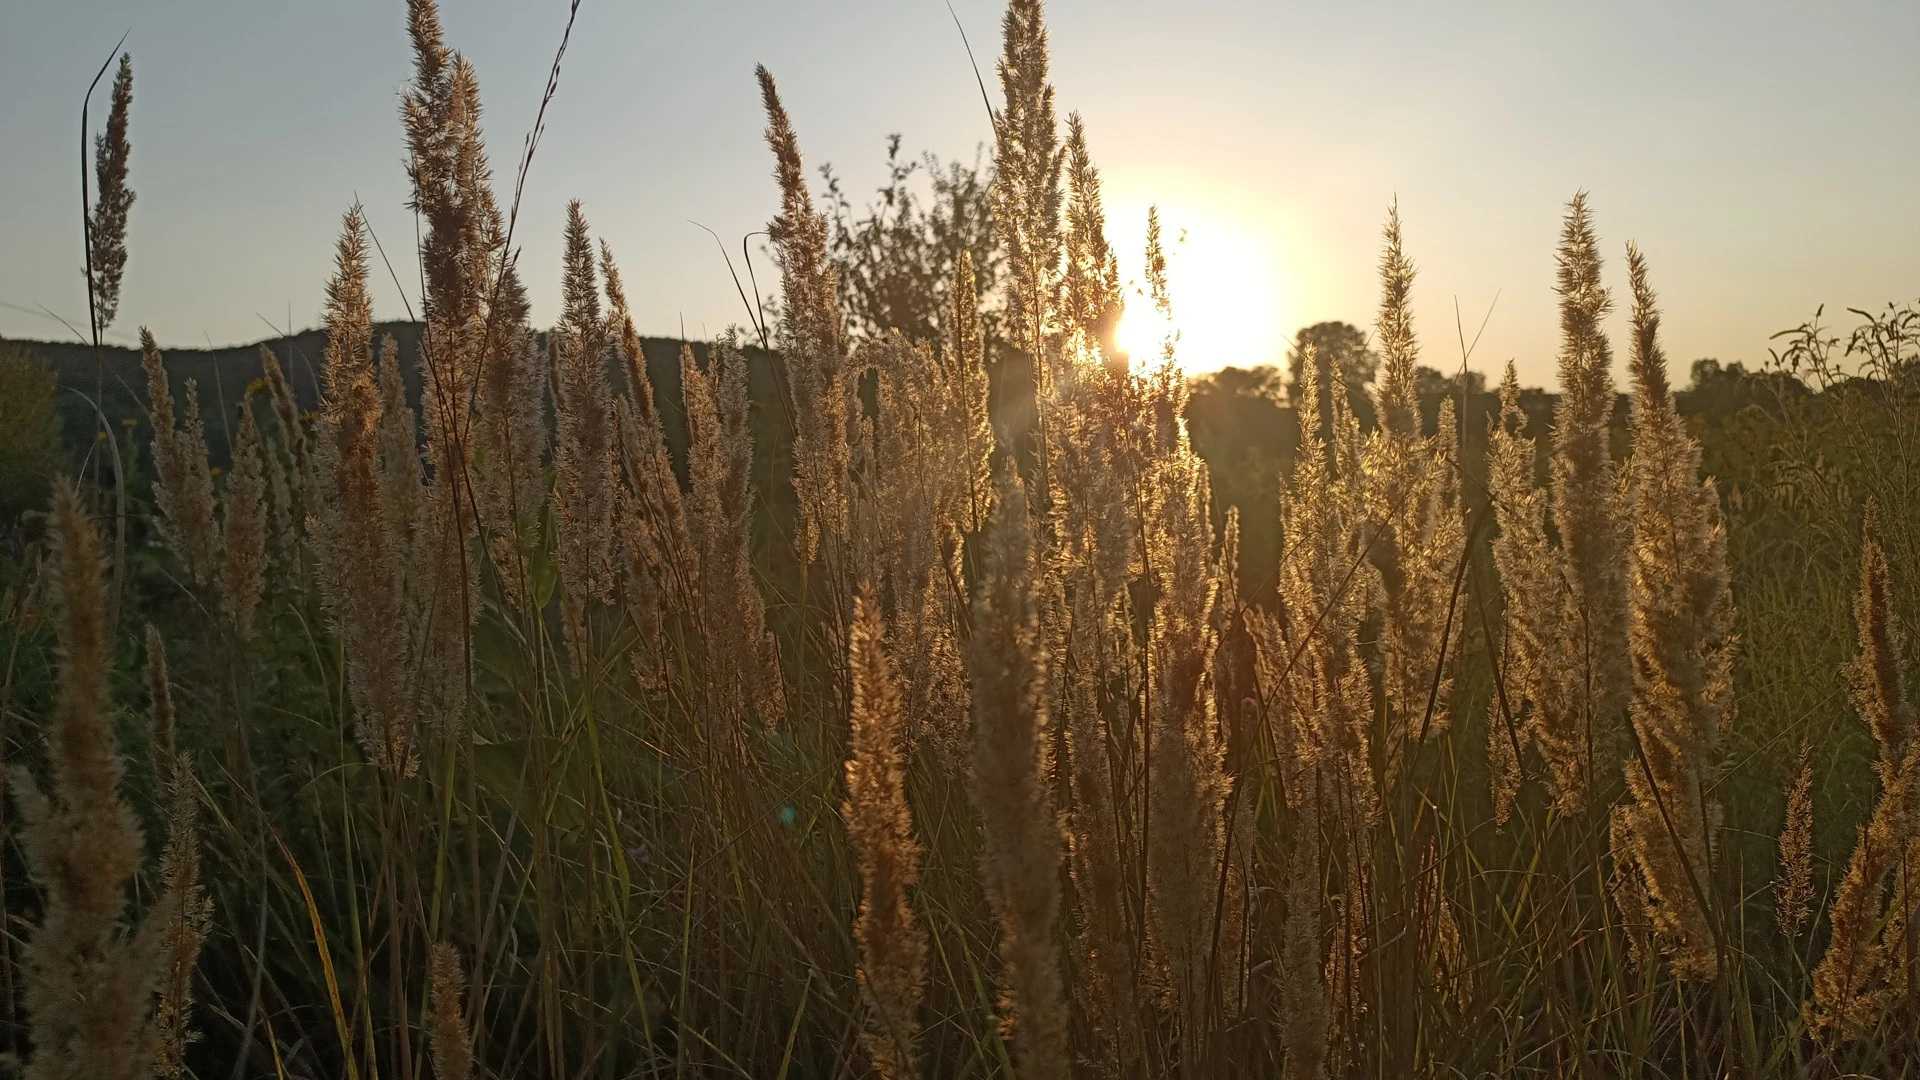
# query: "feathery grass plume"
402,494
913,504
1026,193
282,510
107,226
1090,282
245,532
1849,985
1626,885
583,459
1585,503
1681,632
1189,782
1323,590
1100,878
183,485
648,574
1537,705
968,352
87,979
812,339
448,167
1347,969
450,1044
510,430
658,574
1793,889
893,946
1412,502
1306,1008
288,412
1874,680
360,572
189,913
1021,836
1301,955
742,667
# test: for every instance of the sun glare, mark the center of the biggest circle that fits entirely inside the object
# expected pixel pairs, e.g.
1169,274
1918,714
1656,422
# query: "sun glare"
1226,297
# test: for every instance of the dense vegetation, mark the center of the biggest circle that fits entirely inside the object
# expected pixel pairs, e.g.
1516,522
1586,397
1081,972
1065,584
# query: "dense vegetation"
914,685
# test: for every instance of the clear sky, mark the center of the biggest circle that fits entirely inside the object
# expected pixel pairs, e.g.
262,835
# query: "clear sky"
1763,153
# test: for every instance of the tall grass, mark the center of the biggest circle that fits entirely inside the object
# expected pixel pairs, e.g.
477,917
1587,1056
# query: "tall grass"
533,742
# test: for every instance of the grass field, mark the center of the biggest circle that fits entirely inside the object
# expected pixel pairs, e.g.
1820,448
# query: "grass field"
463,699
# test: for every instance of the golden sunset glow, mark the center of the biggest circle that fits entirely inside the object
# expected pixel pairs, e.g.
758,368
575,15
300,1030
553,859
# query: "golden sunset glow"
1228,299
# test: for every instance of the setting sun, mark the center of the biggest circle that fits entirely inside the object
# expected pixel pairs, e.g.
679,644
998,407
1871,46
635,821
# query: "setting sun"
1227,297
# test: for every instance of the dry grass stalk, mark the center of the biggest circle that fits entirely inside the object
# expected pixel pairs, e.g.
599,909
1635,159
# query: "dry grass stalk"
183,485
1021,835
288,413
450,1043
812,340
1101,886
741,664
1412,497
452,194
1026,187
1793,889
1585,504
966,361
1189,783
893,946
1681,632
1536,705
1323,589
188,913
402,493
913,500
1090,282
584,480
658,574
113,201
1302,954
359,569
87,979
1852,985
244,536
1626,885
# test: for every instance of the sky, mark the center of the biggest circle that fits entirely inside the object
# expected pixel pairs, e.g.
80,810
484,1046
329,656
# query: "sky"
1762,153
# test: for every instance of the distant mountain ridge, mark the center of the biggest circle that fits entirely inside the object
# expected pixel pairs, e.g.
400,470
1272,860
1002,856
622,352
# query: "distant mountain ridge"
223,375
